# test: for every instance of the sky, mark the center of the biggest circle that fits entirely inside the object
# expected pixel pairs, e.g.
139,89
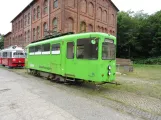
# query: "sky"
9,9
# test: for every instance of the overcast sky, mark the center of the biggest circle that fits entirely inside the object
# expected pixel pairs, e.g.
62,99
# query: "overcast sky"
9,9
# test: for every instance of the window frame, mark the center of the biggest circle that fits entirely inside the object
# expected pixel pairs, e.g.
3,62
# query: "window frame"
45,52
96,38
73,50
57,50
55,2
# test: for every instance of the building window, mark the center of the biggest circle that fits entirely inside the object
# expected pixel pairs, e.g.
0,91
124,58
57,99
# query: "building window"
55,4
55,25
83,6
83,27
28,35
45,28
112,19
34,12
70,25
16,27
28,18
38,12
91,9
21,23
45,6
25,36
38,32
99,13
34,35
25,20
90,28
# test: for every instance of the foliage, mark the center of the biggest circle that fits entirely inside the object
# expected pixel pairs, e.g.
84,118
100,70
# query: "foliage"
1,41
151,61
139,35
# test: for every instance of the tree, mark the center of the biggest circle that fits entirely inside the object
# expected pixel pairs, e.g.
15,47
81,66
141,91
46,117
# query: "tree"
1,41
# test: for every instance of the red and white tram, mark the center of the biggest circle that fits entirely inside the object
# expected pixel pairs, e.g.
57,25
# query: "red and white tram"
12,56
0,57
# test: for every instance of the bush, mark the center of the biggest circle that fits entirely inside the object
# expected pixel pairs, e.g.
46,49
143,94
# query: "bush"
150,61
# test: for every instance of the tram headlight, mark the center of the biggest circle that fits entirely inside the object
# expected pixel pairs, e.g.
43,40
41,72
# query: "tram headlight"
109,67
109,73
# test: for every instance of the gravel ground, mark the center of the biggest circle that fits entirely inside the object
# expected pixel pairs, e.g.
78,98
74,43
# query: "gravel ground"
24,97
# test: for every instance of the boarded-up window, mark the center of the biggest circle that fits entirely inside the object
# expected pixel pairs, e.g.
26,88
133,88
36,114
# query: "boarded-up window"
70,24
91,9
83,5
83,27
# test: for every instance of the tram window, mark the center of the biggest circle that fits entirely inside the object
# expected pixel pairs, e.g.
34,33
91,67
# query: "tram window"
38,49
70,50
56,48
87,48
31,50
46,49
5,54
108,51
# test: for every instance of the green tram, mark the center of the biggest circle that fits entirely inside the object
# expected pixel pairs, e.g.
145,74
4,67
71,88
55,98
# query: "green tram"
72,57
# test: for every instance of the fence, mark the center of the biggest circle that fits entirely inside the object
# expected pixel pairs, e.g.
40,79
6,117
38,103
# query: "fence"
124,65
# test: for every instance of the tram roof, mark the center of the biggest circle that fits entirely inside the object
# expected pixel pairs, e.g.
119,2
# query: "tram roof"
60,38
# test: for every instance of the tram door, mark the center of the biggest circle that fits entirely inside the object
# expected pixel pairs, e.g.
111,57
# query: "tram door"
70,60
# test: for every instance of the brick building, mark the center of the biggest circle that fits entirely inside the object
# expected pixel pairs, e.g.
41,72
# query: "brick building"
61,16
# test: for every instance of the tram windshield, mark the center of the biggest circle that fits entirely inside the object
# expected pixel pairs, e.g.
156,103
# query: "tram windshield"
87,48
108,50
18,54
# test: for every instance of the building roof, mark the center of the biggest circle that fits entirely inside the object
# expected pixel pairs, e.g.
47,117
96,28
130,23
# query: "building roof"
28,6
31,3
7,34
114,5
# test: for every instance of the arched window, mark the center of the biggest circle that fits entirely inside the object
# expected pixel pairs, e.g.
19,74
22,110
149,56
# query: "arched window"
34,35
45,6
28,18
71,3
104,17
83,6
45,28
83,27
70,25
21,23
90,28
113,32
25,36
102,29
55,25
16,27
99,13
112,19
34,12
38,32
28,35
91,9
21,37
106,30
38,12
99,29
55,3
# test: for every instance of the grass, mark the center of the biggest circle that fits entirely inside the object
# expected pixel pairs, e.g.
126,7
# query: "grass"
144,81
150,72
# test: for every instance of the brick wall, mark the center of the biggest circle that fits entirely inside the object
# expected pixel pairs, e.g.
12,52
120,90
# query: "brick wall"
63,16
